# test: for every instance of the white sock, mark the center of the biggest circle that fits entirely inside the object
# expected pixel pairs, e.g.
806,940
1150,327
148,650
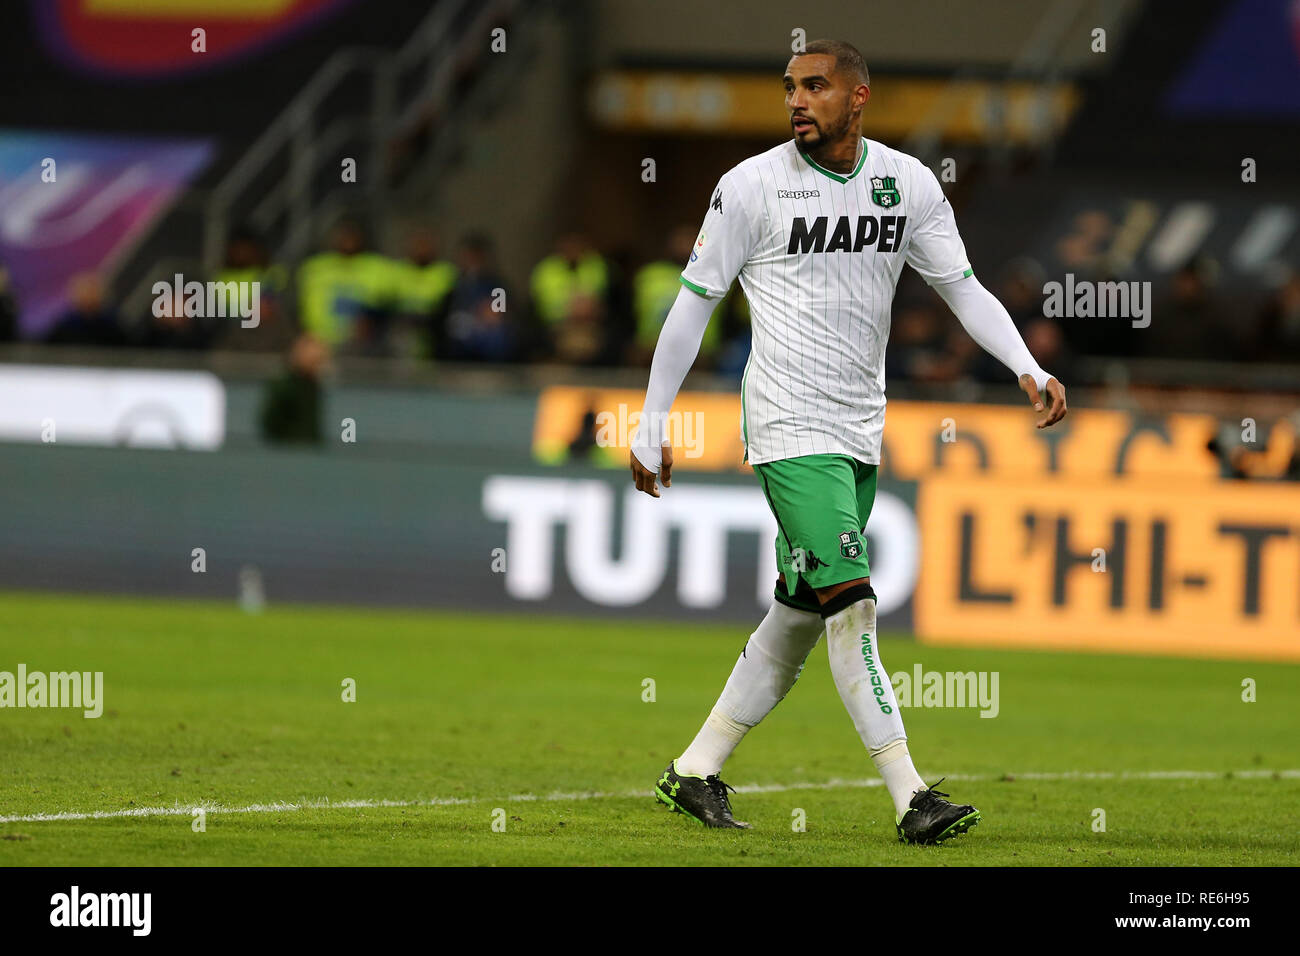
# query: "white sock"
868,695
901,779
764,673
711,747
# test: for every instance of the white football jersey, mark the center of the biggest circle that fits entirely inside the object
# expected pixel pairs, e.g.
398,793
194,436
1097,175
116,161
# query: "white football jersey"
818,255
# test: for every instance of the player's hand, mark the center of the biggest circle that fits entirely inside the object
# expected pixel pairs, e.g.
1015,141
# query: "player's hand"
1055,394
645,479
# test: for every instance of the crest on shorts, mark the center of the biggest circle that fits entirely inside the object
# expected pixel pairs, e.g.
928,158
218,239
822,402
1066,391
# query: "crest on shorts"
884,192
850,544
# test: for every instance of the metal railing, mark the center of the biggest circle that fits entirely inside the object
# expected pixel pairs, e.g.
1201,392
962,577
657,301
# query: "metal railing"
299,133
273,186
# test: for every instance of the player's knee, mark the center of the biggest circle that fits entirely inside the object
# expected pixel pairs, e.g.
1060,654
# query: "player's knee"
837,597
830,590
785,636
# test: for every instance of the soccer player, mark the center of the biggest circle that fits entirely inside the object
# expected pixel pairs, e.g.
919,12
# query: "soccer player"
818,229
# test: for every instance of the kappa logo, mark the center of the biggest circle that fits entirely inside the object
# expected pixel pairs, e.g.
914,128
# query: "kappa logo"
798,193
850,544
884,191
717,201
802,560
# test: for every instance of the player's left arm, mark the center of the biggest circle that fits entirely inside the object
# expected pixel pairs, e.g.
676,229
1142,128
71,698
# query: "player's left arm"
986,320
935,250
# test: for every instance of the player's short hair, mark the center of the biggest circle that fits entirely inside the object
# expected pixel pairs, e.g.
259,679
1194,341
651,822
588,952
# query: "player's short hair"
847,57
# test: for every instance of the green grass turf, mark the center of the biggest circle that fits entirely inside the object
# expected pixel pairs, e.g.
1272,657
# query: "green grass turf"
208,706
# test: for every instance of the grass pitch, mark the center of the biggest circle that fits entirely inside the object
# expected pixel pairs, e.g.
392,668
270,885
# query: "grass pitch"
540,723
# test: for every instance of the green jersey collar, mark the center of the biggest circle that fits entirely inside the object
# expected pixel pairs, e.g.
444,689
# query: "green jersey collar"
836,176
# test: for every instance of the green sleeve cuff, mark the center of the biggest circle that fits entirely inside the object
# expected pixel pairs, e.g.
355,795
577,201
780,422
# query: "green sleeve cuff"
698,290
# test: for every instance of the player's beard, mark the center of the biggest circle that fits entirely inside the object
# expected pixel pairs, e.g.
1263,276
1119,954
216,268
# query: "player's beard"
824,135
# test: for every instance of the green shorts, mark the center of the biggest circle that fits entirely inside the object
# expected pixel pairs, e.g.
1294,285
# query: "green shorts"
821,504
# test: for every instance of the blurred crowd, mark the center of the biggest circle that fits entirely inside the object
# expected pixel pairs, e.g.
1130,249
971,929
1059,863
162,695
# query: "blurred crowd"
581,307
1189,320
591,308
587,307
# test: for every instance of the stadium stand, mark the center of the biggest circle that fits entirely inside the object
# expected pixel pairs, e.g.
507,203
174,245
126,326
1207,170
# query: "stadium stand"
403,264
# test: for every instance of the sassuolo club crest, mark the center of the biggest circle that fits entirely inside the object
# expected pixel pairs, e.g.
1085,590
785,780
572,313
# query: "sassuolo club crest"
884,192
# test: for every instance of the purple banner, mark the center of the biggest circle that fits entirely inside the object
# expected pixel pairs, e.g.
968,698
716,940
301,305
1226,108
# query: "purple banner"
1248,68
72,204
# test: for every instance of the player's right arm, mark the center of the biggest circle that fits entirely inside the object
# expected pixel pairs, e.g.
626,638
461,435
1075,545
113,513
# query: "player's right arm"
986,320
721,250
675,352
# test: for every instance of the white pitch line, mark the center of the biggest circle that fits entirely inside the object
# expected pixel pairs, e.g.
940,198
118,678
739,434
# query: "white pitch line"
559,797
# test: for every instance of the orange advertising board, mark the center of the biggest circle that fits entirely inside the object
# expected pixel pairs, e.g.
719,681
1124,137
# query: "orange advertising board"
1111,532
704,426
921,438
1121,564
926,438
